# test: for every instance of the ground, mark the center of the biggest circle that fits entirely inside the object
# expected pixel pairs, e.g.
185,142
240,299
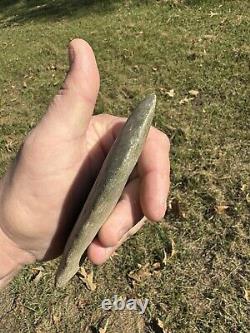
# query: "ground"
193,266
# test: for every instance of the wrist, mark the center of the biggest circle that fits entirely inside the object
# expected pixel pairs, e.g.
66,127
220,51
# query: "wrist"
12,258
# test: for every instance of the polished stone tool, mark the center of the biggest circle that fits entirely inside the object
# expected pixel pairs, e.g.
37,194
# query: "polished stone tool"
107,188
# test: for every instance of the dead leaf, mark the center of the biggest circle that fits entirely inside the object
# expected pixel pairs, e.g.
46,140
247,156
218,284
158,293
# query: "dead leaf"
176,208
243,187
247,294
212,14
194,93
156,265
170,93
10,144
160,323
38,277
86,278
140,274
220,209
156,268
186,100
145,271
38,274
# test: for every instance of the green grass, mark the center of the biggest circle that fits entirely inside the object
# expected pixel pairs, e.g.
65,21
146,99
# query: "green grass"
144,46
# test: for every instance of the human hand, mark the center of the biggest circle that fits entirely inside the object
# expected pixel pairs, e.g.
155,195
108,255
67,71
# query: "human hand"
45,188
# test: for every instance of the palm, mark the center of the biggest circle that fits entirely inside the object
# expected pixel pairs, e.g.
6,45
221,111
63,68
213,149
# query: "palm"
56,176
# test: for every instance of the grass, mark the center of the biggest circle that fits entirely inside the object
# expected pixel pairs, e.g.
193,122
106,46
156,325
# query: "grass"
144,46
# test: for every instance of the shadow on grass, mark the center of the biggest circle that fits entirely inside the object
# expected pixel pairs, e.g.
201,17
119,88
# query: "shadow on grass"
20,11
16,11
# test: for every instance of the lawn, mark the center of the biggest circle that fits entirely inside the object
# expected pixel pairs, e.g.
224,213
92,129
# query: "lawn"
193,266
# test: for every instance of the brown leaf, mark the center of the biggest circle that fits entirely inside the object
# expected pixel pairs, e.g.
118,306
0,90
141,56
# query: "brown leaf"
243,187
193,93
156,269
10,144
176,208
38,277
156,265
247,294
140,274
212,14
220,209
160,323
38,274
86,278
170,93
185,100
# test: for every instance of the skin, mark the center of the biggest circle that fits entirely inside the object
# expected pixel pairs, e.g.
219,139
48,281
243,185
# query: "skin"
43,190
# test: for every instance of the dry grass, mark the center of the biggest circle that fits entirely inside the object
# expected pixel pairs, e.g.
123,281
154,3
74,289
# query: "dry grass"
144,46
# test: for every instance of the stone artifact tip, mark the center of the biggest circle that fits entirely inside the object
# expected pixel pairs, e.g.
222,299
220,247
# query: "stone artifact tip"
150,100
107,188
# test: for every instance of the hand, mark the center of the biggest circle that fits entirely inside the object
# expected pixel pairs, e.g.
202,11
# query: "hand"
43,191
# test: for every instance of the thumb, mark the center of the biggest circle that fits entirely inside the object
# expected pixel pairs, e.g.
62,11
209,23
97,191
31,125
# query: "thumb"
71,109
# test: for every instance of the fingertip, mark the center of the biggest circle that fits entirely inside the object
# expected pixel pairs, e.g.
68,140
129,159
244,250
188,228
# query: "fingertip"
83,59
78,43
153,196
96,253
154,211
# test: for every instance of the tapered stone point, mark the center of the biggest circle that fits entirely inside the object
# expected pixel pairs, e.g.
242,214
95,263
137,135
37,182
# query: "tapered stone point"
108,187
149,102
152,100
